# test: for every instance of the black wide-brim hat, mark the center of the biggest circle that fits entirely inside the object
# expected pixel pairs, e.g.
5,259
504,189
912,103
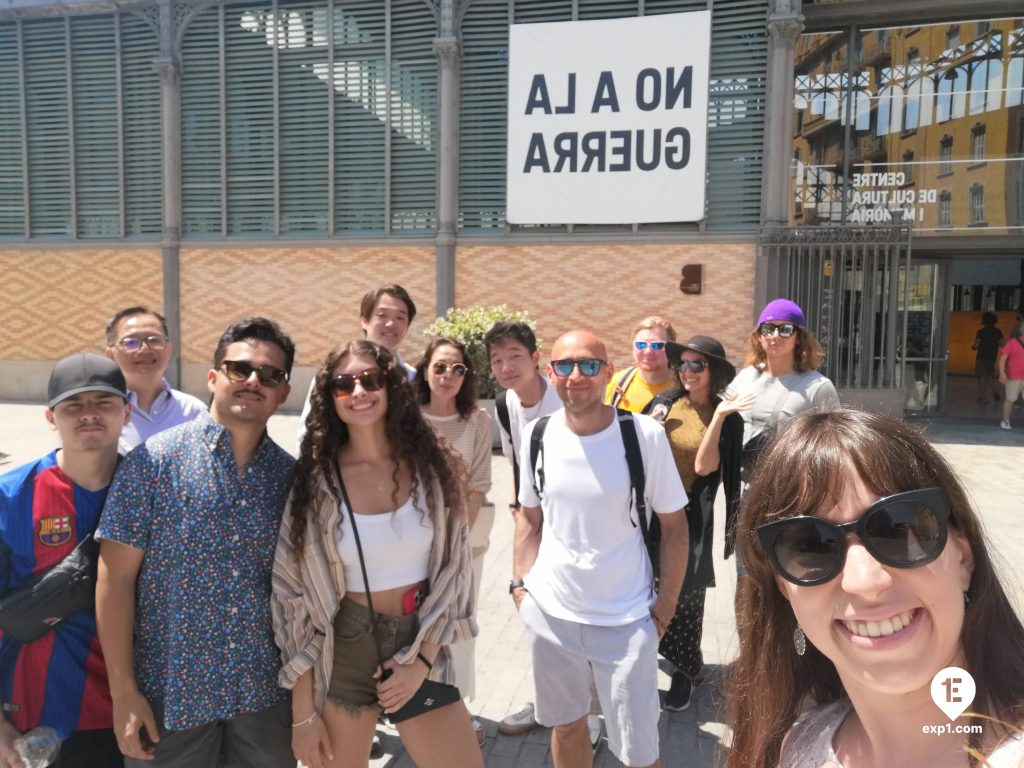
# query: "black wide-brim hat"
711,348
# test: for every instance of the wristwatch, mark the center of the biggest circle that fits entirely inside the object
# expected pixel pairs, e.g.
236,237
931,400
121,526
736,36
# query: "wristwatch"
515,584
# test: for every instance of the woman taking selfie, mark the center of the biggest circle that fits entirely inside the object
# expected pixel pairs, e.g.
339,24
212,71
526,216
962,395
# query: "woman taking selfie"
445,387
867,574
376,493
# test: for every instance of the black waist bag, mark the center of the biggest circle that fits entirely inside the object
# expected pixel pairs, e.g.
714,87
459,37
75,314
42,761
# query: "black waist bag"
39,605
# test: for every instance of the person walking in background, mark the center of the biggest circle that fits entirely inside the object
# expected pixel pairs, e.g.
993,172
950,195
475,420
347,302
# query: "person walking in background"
47,508
183,598
445,387
987,343
634,387
705,432
376,518
138,342
583,580
1011,372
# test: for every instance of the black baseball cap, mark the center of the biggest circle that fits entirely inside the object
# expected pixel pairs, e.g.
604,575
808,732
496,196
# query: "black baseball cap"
84,372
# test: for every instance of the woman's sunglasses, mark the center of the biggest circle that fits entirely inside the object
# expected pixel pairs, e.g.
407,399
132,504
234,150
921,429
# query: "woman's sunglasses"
589,367
906,530
696,366
655,346
785,330
458,369
345,384
238,371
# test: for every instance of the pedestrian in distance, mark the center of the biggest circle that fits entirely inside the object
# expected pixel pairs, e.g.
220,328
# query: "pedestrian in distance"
987,343
868,573
372,575
183,598
1011,372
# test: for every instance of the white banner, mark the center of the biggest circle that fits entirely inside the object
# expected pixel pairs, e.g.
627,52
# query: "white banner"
607,120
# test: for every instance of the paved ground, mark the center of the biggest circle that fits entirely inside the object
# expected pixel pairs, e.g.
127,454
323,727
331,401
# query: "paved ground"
989,460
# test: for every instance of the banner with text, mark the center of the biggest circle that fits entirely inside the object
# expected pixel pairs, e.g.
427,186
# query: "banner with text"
607,120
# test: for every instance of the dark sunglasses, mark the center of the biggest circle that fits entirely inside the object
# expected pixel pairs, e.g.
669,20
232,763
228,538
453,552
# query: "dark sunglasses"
134,343
458,369
656,346
906,530
589,367
345,384
697,366
239,371
785,330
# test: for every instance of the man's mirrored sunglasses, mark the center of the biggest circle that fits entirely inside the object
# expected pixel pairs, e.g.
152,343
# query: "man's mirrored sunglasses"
344,385
135,343
239,371
785,330
655,346
588,366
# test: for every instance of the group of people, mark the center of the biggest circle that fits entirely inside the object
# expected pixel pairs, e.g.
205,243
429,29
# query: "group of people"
998,360
252,609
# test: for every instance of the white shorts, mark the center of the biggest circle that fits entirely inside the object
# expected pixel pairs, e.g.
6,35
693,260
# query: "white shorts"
621,661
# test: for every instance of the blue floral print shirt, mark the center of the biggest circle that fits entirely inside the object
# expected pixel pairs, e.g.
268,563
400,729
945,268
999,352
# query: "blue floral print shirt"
204,644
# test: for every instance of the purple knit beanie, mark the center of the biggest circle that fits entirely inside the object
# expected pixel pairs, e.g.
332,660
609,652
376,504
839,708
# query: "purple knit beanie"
782,311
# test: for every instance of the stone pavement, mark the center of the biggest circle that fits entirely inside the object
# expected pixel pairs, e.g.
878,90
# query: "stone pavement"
988,459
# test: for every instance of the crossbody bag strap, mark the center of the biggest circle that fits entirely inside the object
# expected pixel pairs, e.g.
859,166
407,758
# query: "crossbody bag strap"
362,567
620,389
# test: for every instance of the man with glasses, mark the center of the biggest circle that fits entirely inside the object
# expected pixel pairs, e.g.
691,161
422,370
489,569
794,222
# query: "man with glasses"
183,600
636,386
582,578
137,341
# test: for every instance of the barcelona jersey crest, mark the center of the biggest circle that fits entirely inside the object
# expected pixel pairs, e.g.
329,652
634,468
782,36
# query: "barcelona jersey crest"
55,531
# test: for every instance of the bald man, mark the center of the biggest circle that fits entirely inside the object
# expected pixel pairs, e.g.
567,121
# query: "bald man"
583,581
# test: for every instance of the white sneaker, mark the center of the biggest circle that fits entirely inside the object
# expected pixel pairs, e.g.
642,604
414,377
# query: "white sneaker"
594,727
1005,425
518,722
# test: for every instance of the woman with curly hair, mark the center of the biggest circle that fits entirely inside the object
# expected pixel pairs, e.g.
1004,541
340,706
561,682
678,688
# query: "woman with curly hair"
366,434
867,574
445,386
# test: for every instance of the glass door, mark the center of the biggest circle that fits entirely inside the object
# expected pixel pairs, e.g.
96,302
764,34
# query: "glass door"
925,308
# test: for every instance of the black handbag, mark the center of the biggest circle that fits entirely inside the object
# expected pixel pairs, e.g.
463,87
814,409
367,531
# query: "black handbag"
431,694
39,605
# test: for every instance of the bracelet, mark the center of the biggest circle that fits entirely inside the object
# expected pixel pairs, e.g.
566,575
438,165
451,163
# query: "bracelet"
425,660
308,720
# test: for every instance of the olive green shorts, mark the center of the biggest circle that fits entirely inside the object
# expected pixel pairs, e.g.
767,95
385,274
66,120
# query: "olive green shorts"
353,687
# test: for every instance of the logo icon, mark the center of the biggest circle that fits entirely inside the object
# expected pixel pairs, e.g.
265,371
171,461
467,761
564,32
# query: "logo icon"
953,691
55,531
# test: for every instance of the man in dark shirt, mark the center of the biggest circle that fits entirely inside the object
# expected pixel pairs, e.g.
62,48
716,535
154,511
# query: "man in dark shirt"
987,342
183,599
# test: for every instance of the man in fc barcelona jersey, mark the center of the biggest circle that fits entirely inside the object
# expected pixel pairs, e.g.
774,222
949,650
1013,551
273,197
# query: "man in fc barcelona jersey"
46,508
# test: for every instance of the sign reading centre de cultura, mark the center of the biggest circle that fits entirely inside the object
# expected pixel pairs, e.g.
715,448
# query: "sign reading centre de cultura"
607,120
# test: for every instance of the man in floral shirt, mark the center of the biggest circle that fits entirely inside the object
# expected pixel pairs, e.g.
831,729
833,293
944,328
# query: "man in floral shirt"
183,599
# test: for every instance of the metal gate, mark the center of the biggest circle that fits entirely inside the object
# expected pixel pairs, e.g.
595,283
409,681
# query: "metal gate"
851,283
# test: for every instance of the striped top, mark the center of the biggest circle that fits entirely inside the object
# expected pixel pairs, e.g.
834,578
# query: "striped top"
307,592
471,438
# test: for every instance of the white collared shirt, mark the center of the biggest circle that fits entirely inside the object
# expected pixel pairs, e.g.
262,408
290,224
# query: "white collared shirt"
170,409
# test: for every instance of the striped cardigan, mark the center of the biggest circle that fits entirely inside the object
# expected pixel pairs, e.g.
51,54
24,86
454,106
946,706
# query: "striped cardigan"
307,590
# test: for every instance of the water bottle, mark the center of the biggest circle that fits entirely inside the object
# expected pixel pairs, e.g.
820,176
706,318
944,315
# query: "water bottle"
38,748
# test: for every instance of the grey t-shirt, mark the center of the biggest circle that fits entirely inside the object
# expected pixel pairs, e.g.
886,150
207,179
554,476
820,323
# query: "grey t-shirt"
780,397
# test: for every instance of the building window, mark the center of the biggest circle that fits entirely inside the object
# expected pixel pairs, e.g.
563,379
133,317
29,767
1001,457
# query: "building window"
978,144
945,209
953,38
946,156
907,167
977,204
984,27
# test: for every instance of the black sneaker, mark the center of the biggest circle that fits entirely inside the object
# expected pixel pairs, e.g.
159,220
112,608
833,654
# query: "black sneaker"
679,693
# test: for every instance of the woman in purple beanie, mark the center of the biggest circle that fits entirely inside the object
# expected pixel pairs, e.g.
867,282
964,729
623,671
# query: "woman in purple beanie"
781,371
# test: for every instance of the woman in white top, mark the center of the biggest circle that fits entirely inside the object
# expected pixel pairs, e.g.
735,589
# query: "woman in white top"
366,434
867,575
445,387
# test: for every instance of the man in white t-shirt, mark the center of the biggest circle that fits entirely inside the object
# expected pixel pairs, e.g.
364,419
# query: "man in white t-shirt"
385,313
582,578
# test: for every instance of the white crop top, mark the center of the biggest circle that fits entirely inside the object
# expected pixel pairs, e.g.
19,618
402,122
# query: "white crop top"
396,546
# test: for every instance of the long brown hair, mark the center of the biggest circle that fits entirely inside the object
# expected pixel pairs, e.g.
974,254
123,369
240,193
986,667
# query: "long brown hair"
412,442
807,353
770,684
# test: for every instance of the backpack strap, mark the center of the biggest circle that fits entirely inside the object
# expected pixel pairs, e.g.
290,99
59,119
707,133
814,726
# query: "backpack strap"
536,453
634,460
505,421
620,389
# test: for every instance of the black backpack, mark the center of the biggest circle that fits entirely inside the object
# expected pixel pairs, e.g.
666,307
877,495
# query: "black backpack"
651,529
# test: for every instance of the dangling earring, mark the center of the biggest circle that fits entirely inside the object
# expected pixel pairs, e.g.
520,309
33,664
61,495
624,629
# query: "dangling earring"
799,641
967,598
